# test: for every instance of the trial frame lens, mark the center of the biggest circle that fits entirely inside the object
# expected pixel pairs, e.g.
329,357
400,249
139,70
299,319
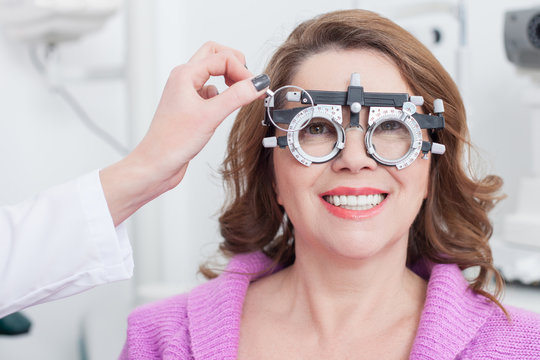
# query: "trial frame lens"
379,116
332,116
291,96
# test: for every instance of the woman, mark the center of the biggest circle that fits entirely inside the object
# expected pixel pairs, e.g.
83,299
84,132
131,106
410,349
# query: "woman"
314,276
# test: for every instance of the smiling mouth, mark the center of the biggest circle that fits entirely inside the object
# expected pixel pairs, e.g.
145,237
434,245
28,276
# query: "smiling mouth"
355,202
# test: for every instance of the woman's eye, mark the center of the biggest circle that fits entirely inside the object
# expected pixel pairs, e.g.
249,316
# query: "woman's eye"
390,125
316,129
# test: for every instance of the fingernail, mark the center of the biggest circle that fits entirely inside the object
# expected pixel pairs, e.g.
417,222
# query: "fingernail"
261,81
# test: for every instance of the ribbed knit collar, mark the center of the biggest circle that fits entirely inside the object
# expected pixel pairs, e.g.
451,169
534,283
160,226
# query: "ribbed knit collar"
214,309
451,317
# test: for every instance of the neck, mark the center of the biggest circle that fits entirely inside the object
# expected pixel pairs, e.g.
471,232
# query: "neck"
334,292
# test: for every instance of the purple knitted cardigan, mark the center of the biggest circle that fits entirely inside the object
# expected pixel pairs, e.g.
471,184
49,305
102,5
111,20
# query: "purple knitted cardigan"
205,323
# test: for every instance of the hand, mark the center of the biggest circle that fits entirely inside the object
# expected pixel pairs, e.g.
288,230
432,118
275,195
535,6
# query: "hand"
187,116
189,112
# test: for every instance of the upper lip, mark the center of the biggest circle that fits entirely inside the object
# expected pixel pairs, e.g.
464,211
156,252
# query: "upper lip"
343,190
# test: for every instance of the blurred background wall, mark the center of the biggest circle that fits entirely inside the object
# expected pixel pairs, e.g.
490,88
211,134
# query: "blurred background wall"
43,142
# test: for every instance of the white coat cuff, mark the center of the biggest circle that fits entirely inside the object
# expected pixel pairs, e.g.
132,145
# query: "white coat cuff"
116,256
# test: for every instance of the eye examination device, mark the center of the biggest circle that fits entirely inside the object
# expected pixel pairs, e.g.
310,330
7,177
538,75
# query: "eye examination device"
313,123
522,37
54,21
517,254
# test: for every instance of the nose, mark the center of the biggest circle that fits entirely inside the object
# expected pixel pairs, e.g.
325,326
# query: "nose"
354,157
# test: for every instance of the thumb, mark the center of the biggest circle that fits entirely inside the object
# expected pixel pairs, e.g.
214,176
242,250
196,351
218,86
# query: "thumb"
239,94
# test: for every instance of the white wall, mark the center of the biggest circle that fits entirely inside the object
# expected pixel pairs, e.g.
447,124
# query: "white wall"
43,143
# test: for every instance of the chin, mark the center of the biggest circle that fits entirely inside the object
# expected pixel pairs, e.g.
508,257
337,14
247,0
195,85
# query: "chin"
356,250
365,246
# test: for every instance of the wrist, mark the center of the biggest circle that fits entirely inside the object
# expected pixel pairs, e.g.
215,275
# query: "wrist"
131,183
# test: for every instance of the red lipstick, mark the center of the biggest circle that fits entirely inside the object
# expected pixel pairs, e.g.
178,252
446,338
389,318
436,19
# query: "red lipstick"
353,214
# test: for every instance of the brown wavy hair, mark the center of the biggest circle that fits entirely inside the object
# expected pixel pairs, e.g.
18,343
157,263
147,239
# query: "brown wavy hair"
452,225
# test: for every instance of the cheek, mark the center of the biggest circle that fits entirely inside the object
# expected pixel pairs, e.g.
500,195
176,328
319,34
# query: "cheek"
283,188
426,190
425,166
415,179
286,185
278,196
423,178
292,180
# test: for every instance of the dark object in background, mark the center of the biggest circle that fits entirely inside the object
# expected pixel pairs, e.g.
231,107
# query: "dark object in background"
522,37
15,324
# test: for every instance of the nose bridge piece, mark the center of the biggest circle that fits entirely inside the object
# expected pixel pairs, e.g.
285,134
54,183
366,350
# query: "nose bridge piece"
355,98
358,139
354,155
357,127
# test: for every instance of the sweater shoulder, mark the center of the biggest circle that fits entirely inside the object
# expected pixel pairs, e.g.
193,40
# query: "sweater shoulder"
519,322
516,336
524,317
204,321
157,329
159,311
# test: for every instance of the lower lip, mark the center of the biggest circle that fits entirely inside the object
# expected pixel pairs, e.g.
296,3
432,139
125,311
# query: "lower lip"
353,214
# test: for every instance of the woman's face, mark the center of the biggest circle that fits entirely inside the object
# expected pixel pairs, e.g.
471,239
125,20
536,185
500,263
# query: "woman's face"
304,191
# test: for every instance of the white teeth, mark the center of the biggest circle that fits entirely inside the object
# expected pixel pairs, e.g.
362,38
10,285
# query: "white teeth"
352,202
361,200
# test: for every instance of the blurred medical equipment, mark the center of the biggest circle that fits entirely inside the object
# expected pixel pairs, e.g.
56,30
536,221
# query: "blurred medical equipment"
315,134
54,21
45,26
15,324
442,27
518,254
522,37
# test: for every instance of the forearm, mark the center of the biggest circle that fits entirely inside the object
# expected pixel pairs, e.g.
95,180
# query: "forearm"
133,181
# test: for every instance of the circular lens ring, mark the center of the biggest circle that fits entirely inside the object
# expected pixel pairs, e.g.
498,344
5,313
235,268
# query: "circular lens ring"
274,95
415,133
319,111
374,153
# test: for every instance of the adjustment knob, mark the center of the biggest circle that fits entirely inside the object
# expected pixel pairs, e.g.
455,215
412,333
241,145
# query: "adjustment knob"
438,106
417,100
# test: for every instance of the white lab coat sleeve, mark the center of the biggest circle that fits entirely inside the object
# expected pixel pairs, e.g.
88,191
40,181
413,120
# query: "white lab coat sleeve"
59,243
